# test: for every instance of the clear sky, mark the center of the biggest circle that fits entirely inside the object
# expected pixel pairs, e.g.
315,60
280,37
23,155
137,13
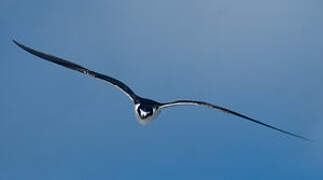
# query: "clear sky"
260,58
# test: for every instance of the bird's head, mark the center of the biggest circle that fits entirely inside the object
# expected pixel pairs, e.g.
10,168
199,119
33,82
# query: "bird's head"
146,112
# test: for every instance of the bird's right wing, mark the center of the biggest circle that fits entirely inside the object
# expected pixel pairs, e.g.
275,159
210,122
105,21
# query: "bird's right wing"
200,103
81,69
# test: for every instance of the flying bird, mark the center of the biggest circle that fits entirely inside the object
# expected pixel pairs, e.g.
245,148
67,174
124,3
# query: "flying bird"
145,109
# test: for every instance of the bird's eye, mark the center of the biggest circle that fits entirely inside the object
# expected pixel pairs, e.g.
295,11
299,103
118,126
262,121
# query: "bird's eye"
144,111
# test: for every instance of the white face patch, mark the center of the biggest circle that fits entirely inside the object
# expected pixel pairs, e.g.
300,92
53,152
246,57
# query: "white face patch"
143,113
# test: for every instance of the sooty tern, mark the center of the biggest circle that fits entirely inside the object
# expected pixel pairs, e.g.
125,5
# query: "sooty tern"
145,109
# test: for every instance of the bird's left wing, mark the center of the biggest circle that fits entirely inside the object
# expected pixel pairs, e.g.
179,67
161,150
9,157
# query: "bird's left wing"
200,103
81,69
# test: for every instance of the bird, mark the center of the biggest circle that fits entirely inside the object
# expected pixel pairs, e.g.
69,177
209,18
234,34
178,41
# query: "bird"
145,109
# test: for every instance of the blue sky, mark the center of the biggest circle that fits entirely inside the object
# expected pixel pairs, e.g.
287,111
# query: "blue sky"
260,58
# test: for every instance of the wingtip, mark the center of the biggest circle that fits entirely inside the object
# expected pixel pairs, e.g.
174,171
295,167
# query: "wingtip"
20,45
17,43
309,140
306,139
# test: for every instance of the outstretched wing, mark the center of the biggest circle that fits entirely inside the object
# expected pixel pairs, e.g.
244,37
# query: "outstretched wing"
200,103
81,69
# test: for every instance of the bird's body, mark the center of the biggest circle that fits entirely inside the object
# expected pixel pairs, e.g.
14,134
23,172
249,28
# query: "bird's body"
146,110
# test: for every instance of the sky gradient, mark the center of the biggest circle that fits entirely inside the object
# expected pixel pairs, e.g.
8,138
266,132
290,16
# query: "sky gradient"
261,58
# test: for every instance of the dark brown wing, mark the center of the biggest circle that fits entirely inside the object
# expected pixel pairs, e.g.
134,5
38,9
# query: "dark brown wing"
81,69
200,103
